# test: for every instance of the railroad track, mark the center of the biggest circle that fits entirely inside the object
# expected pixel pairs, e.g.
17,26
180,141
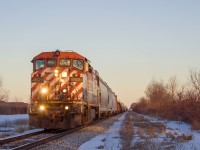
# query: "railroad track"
7,140
13,142
45,140
57,134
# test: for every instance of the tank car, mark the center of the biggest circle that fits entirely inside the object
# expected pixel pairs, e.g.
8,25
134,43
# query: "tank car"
67,92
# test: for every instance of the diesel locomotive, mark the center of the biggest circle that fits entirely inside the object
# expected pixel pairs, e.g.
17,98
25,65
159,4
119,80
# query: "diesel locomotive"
67,92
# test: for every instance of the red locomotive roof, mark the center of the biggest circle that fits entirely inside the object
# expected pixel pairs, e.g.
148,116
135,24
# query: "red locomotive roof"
45,55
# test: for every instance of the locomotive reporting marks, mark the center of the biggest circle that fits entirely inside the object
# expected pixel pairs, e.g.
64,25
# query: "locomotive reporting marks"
76,79
37,79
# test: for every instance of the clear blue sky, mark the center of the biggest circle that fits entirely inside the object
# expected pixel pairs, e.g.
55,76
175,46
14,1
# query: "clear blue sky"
129,42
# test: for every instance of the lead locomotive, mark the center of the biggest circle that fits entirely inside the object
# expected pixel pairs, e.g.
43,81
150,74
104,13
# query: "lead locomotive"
67,92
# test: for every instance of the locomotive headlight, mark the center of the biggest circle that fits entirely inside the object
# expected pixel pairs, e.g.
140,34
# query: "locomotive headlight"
44,90
66,107
56,73
42,108
64,90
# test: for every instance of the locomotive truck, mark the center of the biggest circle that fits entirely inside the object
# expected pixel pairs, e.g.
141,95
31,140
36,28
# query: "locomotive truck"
67,92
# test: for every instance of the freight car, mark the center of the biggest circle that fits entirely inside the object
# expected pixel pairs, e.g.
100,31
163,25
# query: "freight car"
67,92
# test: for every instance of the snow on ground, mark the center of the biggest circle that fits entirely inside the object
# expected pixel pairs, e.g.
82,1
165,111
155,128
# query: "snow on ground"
187,138
4,118
160,134
19,134
107,140
11,125
176,134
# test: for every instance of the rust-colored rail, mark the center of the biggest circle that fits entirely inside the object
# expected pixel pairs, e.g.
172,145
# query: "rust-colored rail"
45,140
59,135
7,140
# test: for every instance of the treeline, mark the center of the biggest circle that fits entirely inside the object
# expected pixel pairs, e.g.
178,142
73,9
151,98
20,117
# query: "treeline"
8,108
172,101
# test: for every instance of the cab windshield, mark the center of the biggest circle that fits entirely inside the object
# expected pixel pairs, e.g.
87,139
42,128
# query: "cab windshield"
39,64
51,63
78,64
64,62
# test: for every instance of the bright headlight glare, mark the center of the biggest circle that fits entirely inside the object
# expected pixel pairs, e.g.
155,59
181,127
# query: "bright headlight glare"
44,90
66,107
42,107
56,74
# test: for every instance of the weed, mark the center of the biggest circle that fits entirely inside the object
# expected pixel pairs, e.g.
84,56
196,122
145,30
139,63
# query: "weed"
170,135
147,145
20,129
196,124
184,137
3,135
126,131
140,132
19,126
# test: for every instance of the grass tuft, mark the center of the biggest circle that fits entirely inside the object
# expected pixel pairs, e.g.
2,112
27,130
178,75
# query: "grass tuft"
126,132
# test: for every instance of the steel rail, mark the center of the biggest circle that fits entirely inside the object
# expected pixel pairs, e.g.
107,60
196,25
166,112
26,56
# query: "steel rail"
59,135
15,138
48,139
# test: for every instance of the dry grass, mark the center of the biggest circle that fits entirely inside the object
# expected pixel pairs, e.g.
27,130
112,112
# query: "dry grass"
185,110
147,127
196,124
170,135
21,129
147,144
183,138
126,132
19,126
140,132
3,135
148,135
147,132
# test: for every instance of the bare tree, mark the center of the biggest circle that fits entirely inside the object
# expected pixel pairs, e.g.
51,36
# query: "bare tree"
195,83
195,80
156,91
3,93
172,87
181,93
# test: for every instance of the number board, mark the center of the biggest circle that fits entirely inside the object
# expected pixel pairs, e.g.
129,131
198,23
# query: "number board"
37,79
76,79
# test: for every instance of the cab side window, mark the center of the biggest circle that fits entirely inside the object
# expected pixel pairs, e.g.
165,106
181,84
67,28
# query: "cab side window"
39,64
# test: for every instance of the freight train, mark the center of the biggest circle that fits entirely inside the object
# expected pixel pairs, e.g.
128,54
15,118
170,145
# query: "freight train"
67,92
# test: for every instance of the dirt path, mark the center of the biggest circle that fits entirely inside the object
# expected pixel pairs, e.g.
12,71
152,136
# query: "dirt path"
143,133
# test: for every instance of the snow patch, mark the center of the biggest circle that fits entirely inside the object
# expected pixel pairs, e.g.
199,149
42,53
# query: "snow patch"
108,140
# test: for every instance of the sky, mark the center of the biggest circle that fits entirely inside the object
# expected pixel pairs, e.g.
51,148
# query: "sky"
128,42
